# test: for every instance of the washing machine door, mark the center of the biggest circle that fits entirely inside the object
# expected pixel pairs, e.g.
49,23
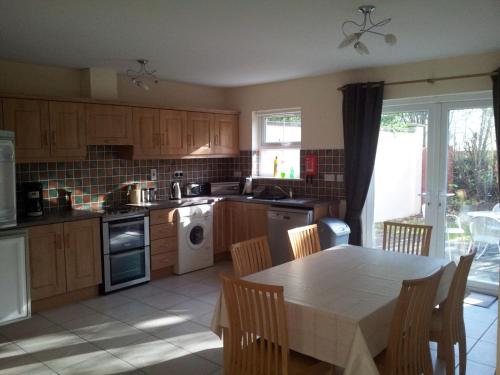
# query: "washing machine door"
196,234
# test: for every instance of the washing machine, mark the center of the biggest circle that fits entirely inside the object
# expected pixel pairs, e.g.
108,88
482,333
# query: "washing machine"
195,238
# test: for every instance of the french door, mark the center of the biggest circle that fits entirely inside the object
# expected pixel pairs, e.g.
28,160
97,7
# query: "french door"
436,165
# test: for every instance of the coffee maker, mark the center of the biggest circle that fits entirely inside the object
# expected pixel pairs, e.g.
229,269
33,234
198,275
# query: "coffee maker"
33,198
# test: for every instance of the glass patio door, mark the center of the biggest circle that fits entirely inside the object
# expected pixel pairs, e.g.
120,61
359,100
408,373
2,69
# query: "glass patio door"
436,164
470,214
401,188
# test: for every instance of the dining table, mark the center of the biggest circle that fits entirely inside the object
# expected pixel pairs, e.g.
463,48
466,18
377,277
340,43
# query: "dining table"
340,301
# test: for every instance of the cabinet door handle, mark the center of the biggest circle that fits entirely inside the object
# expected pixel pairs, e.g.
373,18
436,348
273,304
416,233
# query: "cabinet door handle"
54,137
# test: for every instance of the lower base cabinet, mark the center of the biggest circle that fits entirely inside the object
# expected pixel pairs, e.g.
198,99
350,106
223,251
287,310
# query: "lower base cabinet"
64,257
238,221
163,235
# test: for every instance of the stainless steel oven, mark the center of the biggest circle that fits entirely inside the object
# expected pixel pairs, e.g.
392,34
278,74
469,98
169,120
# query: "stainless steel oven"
126,250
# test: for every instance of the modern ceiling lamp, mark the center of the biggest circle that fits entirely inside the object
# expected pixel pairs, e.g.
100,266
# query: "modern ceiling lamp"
367,26
141,76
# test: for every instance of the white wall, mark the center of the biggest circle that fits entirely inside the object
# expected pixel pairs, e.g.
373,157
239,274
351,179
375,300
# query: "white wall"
321,103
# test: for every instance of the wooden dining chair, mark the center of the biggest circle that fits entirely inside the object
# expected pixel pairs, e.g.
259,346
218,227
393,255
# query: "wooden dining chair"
251,256
258,331
407,238
408,351
447,324
304,241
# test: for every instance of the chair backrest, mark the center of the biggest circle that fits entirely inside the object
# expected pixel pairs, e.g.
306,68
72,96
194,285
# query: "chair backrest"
304,241
408,350
251,256
407,238
485,229
453,306
258,331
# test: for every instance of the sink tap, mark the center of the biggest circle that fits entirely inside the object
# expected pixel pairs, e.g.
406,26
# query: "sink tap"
289,194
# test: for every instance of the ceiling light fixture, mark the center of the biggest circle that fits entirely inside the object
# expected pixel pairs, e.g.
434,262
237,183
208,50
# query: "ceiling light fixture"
367,26
138,77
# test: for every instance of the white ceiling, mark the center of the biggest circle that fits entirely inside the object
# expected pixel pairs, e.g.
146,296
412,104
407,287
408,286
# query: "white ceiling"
238,42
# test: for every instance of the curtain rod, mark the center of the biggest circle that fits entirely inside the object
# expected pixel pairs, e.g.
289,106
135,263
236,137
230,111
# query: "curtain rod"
433,80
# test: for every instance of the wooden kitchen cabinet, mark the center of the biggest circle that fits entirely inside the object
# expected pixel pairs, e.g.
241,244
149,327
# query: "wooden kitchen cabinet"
82,240
67,130
173,132
199,133
109,124
256,219
29,120
47,261
163,235
219,228
226,133
147,135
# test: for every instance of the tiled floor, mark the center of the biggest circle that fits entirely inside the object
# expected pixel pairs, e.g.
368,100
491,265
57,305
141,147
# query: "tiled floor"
160,328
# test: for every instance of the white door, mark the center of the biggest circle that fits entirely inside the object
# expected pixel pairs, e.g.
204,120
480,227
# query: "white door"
436,164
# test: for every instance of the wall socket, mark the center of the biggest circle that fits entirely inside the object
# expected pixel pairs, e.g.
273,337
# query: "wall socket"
178,174
153,175
329,177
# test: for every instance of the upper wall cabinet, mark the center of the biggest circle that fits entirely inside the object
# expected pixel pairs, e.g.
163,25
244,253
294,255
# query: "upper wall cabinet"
226,134
173,132
29,120
67,130
46,130
109,124
200,129
147,136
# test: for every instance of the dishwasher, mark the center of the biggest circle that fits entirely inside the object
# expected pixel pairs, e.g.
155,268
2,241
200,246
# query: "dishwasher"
279,221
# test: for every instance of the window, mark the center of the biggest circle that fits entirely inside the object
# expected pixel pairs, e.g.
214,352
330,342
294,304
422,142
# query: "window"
279,141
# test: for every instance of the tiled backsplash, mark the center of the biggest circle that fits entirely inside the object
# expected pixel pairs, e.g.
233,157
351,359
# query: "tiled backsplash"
103,178
329,162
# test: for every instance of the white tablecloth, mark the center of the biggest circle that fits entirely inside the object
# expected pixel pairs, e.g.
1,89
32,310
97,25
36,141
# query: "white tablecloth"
340,301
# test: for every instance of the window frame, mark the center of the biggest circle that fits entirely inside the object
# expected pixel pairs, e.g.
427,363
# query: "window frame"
261,115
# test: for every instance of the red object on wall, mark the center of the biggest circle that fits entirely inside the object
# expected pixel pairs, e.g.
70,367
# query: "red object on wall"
311,165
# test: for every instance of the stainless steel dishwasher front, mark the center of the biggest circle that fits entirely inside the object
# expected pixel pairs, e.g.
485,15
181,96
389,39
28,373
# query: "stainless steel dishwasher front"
279,221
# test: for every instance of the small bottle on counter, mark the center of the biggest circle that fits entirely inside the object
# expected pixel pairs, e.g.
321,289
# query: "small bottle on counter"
275,172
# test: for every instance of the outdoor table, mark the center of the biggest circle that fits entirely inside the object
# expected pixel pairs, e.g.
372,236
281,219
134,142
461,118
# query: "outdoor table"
340,301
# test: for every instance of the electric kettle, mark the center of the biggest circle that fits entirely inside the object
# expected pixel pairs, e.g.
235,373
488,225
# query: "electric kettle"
175,190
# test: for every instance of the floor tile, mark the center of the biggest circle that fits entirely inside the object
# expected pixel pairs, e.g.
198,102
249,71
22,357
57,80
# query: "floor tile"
210,298
106,302
24,364
192,337
484,353
156,321
141,291
25,328
171,283
476,328
187,364
67,313
102,364
164,300
113,335
130,311
88,322
191,308
491,334
63,357
204,320
10,351
196,290
474,368
479,314
52,338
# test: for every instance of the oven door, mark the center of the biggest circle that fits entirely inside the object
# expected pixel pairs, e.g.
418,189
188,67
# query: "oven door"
125,234
126,268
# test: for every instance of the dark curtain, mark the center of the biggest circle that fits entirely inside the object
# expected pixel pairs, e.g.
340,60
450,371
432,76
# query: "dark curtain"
361,113
496,111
